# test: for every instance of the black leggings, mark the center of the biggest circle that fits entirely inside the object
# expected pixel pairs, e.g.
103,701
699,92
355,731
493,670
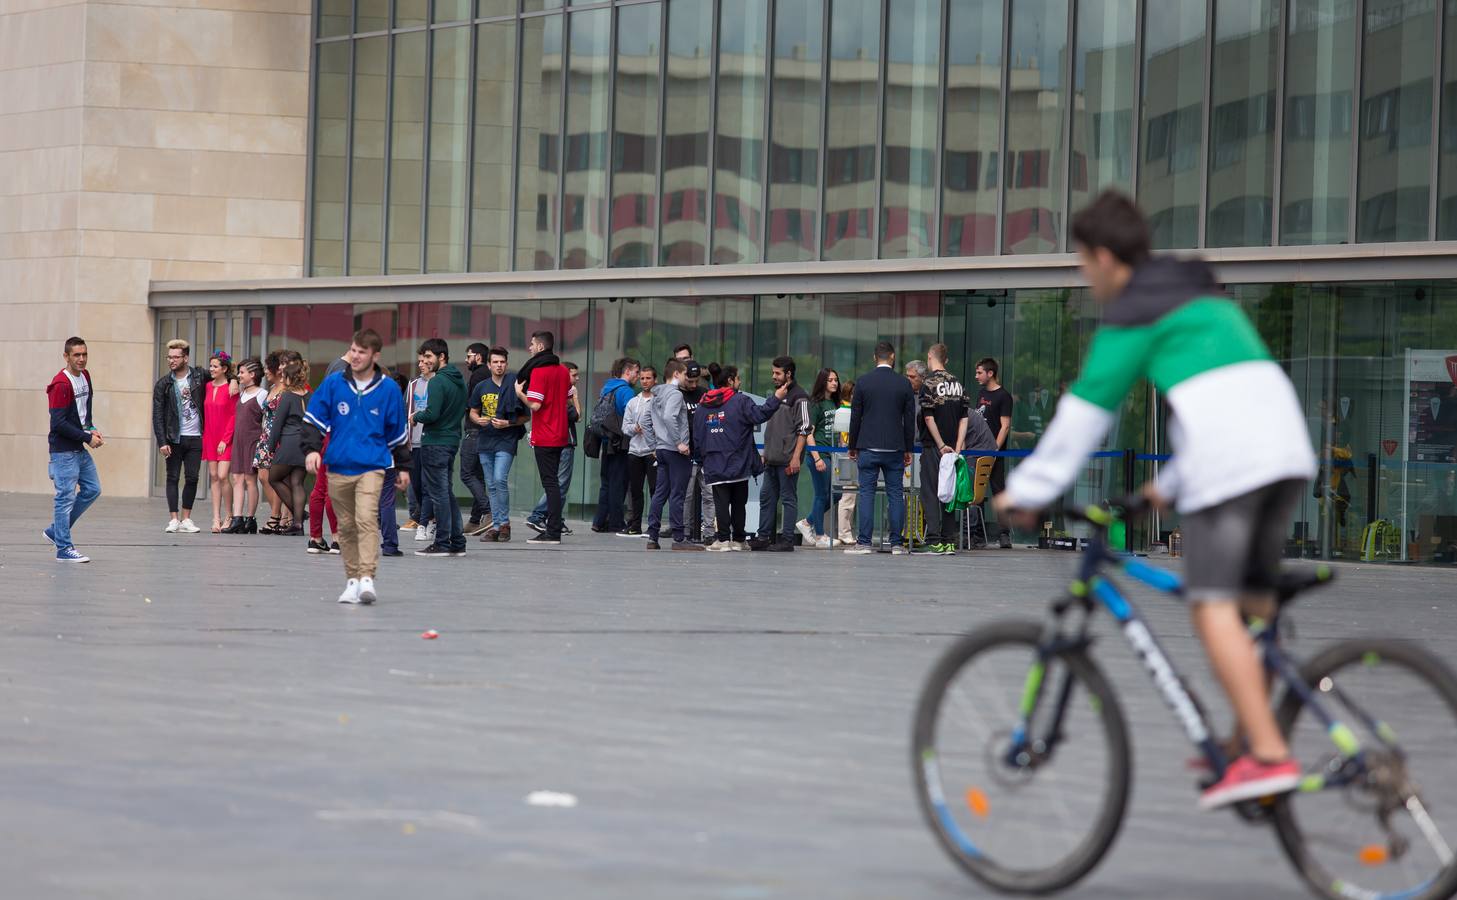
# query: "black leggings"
184,461
730,502
288,481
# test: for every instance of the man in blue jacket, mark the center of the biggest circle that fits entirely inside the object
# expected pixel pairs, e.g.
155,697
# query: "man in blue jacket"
363,412
612,493
882,432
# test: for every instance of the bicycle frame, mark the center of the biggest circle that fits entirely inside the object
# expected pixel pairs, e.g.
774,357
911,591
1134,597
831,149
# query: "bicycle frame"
1091,586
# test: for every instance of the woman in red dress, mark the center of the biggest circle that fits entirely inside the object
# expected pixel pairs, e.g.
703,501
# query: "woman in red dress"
219,409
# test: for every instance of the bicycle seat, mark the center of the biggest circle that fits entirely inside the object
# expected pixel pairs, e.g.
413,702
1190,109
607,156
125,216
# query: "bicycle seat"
1294,582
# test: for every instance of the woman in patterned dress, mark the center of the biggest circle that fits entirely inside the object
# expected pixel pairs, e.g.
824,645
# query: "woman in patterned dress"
263,457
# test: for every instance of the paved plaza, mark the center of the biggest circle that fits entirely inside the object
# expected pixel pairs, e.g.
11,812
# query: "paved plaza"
195,717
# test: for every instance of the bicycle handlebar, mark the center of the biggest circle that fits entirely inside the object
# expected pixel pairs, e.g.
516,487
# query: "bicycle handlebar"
1103,518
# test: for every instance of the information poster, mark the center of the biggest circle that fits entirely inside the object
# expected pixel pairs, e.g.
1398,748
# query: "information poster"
1430,438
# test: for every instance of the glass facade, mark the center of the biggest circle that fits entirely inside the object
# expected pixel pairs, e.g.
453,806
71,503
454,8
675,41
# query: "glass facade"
693,132
1368,360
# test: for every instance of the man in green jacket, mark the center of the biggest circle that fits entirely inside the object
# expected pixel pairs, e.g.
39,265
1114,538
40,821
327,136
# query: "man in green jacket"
439,442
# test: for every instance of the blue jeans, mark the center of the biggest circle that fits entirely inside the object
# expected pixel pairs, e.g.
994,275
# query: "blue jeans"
564,483
421,509
436,464
778,487
874,463
69,470
674,470
496,466
612,493
823,497
389,524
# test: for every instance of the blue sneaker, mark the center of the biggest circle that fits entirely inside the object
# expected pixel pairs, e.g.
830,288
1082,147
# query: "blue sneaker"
71,554
50,535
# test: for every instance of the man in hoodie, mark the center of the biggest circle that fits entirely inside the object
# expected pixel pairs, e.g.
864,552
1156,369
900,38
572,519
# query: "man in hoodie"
439,442
1165,320
72,470
698,512
670,435
545,387
362,412
723,431
613,490
784,442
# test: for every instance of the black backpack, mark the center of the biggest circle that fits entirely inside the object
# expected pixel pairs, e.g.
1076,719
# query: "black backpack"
604,428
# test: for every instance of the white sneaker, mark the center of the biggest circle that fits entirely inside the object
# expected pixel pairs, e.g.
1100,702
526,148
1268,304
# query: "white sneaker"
720,547
858,550
172,526
739,546
351,591
425,532
847,539
823,542
366,591
899,550
809,533
187,527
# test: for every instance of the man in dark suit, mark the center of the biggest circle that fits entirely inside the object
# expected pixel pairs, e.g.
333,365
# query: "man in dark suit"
882,433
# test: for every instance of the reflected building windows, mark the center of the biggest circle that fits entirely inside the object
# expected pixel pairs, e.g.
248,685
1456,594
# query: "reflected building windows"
366,188
738,150
1033,186
1396,121
538,151
1102,120
490,231
687,106
1315,174
908,169
1242,123
1172,121
331,146
633,214
449,119
969,181
794,131
407,153
851,129
584,171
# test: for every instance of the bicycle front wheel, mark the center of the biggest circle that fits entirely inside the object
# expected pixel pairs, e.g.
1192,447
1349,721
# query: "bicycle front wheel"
1378,823
1021,812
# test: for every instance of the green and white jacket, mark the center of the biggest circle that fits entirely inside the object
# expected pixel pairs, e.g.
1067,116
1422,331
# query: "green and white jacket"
1235,422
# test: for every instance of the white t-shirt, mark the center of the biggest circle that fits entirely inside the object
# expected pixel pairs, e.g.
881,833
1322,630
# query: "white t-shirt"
188,414
81,388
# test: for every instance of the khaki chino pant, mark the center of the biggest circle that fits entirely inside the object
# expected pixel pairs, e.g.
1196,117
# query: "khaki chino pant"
356,501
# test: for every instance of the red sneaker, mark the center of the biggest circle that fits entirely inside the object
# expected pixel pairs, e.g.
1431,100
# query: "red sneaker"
1247,778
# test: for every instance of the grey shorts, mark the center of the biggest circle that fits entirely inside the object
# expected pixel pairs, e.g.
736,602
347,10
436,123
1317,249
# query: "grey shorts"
1235,547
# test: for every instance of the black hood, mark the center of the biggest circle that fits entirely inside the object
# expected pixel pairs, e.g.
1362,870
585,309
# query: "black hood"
1158,287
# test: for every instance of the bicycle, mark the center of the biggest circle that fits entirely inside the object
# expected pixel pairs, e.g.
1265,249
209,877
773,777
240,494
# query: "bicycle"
1359,826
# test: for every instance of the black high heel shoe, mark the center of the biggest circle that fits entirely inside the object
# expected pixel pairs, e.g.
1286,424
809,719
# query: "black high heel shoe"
250,526
271,527
234,526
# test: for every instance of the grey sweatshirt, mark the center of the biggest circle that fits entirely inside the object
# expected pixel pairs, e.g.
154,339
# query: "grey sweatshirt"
669,418
639,413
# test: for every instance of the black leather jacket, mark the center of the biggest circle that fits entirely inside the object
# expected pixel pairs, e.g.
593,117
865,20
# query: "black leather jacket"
166,421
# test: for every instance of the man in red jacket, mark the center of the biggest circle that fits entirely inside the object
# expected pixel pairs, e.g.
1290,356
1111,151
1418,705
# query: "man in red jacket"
72,470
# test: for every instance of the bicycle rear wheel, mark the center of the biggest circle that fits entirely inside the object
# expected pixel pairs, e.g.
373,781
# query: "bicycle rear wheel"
1039,823
1384,828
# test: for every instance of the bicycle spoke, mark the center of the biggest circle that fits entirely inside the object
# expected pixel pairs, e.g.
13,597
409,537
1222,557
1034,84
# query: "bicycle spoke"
1429,829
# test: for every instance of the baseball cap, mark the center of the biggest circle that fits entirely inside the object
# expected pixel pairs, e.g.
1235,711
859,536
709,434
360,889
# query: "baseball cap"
691,368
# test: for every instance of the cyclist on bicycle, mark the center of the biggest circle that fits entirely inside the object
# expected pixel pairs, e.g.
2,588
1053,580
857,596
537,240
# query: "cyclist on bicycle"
1242,453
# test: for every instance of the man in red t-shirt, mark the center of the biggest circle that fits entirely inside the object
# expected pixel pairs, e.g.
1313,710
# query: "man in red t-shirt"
545,386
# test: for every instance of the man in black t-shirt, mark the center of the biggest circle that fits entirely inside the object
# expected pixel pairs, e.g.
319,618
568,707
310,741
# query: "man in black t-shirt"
943,424
995,405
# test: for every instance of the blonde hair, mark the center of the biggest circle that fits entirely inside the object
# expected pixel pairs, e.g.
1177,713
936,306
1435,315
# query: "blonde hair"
180,344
